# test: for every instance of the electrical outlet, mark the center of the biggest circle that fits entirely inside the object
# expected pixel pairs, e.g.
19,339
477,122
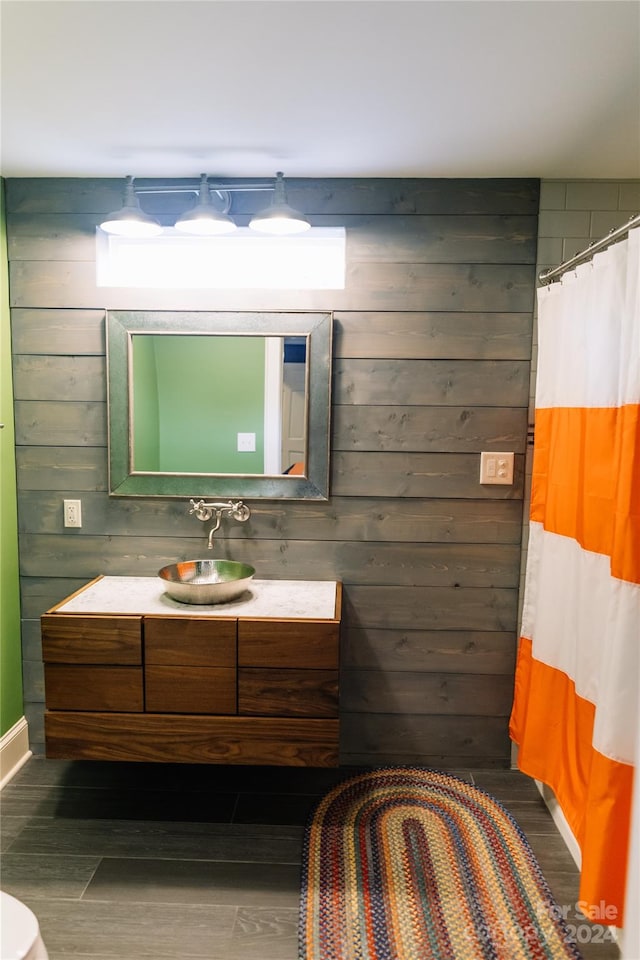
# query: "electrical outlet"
72,513
496,468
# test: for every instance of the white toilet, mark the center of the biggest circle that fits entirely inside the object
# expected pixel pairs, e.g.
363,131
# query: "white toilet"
19,931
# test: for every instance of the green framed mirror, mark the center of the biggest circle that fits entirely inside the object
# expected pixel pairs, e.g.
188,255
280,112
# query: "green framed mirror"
219,404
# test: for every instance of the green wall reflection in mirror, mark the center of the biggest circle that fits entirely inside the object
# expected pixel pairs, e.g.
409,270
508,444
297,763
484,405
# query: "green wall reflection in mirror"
192,397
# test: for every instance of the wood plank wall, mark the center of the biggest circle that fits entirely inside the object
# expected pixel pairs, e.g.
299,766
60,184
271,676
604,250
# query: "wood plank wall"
432,351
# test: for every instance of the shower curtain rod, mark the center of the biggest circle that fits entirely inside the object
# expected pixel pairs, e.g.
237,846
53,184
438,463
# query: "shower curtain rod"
615,234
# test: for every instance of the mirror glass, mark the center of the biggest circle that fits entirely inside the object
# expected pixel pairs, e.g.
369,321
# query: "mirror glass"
212,404
247,395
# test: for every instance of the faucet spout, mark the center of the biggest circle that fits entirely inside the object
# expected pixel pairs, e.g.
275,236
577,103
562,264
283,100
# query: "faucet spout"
205,511
214,528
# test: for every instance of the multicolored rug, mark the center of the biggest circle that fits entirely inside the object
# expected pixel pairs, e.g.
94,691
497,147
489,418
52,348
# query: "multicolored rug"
414,864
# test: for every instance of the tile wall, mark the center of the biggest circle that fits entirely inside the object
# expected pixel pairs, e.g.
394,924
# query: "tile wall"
573,213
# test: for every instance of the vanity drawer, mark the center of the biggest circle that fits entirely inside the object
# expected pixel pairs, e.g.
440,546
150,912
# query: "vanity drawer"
91,639
167,738
289,643
70,687
183,689
190,641
287,693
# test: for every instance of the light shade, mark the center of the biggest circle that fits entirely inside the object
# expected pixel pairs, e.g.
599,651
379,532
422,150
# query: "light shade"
130,220
279,218
204,219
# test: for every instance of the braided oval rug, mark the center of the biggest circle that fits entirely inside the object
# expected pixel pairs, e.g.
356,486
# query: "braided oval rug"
414,864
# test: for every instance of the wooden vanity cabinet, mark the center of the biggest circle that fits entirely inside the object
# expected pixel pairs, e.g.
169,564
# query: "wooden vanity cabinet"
192,688
190,665
93,663
288,668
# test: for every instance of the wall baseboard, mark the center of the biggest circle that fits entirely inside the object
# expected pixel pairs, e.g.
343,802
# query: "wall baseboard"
14,750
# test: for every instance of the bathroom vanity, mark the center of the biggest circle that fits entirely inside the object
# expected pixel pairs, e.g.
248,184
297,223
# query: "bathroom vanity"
131,674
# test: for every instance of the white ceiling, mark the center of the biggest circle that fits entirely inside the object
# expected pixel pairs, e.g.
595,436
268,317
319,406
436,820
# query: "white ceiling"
321,88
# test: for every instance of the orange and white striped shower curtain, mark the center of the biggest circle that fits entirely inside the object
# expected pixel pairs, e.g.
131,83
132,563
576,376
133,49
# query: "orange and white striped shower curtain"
575,714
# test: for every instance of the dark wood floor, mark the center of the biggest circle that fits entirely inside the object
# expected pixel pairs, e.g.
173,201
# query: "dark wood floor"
135,861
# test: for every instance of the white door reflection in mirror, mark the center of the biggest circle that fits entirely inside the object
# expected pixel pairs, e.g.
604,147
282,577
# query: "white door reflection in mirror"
273,379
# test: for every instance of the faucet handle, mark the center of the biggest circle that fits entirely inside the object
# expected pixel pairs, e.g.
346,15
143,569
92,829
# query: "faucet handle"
240,511
201,510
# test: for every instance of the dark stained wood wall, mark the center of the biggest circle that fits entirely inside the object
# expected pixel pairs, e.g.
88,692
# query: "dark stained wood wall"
432,351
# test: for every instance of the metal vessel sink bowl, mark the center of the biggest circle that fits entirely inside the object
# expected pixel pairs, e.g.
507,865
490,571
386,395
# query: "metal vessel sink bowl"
206,581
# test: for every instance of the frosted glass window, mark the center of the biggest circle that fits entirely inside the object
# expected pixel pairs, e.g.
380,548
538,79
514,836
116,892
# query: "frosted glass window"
243,261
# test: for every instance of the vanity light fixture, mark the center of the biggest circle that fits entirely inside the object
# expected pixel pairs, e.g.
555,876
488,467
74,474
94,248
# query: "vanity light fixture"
205,218
131,220
279,217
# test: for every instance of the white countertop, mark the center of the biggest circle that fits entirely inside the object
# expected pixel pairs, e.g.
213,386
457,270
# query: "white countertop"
279,599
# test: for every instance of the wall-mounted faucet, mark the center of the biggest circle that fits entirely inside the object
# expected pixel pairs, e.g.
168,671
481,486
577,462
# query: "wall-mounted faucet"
205,511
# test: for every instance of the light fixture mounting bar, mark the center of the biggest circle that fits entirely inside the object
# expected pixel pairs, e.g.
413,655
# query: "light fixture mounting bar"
258,187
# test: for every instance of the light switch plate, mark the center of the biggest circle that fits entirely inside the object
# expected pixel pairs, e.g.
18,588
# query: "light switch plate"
246,442
496,468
